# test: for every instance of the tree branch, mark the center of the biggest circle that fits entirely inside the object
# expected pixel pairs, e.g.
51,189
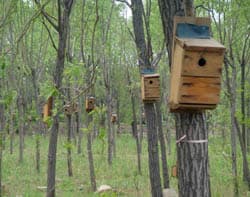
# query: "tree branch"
50,36
46,15
127,3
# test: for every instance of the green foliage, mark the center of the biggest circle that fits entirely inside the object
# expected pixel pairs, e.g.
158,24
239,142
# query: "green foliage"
8,97
48,90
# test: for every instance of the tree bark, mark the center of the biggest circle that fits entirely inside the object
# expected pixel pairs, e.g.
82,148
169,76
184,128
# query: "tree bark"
12,132
79,133
154,168
69,145
2,125
232,92
63,24
193,172
90,154
21,127
134,125
163,148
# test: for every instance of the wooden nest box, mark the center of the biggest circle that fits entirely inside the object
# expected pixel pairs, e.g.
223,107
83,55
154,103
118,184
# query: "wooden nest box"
150,87
196,66
90,103
47,108
113,117
70,108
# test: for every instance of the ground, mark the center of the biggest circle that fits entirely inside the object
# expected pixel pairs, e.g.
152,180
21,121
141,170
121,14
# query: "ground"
23,180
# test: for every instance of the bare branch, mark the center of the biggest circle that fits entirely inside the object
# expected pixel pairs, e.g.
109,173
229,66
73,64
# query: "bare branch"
203,7
30,21
50,36
127,3
46,15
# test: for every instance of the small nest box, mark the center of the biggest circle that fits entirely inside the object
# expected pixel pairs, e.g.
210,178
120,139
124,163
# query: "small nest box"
89,103
113,117
196,67
150,87
70,108
47,108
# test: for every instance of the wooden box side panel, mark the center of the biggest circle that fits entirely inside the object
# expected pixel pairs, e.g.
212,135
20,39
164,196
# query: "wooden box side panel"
142,88
192,64
175,78
45,110
199,90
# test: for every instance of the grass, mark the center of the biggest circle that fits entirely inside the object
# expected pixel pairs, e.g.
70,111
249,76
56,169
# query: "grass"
23,180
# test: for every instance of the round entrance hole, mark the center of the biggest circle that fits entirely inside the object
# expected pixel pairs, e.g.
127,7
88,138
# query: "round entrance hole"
150,81
202,62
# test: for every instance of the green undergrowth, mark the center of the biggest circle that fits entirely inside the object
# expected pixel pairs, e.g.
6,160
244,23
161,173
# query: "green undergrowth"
23,180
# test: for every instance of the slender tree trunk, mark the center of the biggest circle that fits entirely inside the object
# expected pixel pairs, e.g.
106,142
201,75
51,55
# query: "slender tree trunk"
12,132
69,147
63,23
232,92
90,154
118,115
243,106
39,123
21,127
248,127
144,63
154,167
2,125
114,139
169,139
134,125
110,136
163,148
79,133
38,145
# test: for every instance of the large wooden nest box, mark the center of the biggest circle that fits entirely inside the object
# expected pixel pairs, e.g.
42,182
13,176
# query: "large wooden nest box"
150,87
47,108
90,103
196,68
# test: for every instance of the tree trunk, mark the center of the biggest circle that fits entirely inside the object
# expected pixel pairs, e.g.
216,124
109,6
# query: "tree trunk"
63,23
39,123
134,125
144,63
79,133
12,132
192,155
21,127
69,145
232,92
118,116
110,135
154,167
2,125
248,127
163,148
90,154
243,106
193,171
114,139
